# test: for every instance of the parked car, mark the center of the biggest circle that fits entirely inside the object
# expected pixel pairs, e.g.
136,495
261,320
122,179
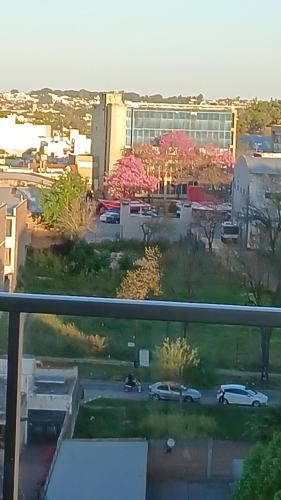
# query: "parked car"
150,213
236,394
171,391
110,217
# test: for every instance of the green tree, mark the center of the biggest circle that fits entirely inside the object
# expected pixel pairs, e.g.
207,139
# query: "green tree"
261,478
57,200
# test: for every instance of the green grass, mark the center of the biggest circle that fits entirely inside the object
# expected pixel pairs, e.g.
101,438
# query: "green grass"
124,419
221,346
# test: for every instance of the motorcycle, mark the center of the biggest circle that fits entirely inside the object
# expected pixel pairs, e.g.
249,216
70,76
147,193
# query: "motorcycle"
137,387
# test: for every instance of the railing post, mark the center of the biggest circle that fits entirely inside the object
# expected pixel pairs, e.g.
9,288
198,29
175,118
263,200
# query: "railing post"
13,407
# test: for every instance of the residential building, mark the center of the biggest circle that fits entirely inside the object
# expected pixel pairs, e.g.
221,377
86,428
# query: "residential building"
255,180
100,469
119,124
16,239
84,164
2,242
15,138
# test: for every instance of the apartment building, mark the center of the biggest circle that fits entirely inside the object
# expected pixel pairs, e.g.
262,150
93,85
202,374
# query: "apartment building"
14,206
119,124
2,242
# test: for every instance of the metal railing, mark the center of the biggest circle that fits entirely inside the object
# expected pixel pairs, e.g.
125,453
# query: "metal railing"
17,305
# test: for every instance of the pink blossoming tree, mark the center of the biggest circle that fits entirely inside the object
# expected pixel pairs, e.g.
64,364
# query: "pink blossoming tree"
128,178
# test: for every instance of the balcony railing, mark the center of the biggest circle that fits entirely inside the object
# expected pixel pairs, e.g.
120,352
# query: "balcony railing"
16,305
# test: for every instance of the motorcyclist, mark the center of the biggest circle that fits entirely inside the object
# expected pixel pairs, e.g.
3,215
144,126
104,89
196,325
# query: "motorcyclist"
131,380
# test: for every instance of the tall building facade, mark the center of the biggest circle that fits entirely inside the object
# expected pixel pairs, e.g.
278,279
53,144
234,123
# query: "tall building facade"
118,124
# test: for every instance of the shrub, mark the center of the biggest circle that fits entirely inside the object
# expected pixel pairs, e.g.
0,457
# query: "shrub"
201,375
126,263
175,355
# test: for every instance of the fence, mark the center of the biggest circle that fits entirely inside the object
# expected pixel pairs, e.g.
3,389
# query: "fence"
18,304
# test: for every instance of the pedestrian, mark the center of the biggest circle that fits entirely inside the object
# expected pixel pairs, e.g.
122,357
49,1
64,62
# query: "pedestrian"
221,399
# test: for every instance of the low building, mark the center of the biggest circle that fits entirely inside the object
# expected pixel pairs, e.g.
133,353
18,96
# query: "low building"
255,181
48,396
100,469
84,164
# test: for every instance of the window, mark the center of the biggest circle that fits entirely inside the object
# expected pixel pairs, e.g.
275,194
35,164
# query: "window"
8,256
175,388
9,225
163,388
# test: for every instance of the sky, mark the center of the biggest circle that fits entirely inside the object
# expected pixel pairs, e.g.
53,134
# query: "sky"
216,47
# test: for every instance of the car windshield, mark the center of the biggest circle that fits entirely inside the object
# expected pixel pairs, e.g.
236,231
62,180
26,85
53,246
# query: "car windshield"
251,392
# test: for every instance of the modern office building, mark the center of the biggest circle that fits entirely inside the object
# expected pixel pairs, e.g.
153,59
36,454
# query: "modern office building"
119,124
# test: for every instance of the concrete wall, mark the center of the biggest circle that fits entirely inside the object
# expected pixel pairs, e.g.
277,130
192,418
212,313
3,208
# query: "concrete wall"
108,134
172,229
17,242
56,402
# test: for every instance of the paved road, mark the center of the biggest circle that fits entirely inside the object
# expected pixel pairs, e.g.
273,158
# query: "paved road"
114,390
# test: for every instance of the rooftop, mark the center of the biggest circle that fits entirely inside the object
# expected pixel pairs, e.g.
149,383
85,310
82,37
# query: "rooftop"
10,197
100,469
179,106
261,165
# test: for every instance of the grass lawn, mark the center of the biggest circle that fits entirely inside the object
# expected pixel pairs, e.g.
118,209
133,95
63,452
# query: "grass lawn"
154,419
221,346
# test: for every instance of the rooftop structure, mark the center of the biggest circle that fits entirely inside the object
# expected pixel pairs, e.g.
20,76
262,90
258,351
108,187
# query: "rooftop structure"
100,469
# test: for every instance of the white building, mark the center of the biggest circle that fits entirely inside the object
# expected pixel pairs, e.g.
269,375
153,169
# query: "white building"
15,138
255,180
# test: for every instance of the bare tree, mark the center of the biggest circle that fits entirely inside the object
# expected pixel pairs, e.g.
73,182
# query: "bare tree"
153,228
76,220
267,219
254,268
209,221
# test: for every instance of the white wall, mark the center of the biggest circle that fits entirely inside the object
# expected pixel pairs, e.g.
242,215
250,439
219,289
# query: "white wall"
16,138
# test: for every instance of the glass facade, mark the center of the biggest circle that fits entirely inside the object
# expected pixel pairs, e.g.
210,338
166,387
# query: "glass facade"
145,125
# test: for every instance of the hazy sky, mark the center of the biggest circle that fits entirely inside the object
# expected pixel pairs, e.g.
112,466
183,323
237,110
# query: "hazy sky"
217,47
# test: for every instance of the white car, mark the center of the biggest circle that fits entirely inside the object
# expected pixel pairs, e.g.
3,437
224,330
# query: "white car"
110,217
236,394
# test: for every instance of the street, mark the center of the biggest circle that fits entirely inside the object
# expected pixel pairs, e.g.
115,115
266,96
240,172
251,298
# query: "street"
114,390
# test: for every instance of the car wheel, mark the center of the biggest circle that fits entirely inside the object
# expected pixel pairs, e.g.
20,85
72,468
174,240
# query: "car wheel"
225,402
256,404
188,399
155,397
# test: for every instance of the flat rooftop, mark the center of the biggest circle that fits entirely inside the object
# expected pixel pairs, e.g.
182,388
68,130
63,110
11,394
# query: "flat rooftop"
9,198
100,470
